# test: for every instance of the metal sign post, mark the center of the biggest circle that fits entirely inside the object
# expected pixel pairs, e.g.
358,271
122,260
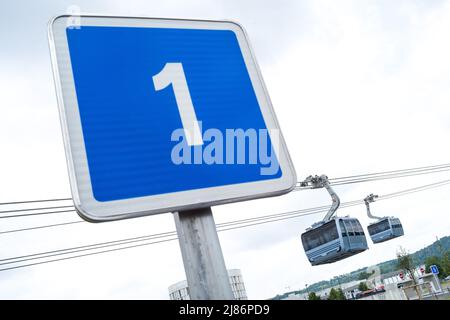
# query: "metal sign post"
203,260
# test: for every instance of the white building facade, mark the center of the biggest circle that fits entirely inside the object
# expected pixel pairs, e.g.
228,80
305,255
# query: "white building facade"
180,290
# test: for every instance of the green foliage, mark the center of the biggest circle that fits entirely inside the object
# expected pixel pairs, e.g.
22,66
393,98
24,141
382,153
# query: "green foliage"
336,294
313,296
405,262
364,275
438,248
363,286
341,294
443,260
333,294
438,261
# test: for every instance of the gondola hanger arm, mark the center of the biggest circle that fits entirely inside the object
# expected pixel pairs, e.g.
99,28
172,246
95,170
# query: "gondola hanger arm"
367,200
315,182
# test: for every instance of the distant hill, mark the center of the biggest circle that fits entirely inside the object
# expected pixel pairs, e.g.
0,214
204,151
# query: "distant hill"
419,257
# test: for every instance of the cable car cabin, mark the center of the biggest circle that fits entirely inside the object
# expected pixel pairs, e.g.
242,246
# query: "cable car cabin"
334,240
385,229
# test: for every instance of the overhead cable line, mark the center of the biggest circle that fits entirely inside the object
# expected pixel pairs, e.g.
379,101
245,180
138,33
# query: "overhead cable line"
419,169
333,181
384,177
169,233
36,209
86,254
221,227
380,176
42,227
34,201
35,214
413,190
81,221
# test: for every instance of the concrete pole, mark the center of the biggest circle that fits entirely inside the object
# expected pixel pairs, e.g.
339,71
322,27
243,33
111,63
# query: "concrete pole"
206,274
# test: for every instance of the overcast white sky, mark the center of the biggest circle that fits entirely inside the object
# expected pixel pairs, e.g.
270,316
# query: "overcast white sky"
358,87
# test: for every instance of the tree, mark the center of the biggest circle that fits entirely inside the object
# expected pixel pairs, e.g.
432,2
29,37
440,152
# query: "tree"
445,262
405,262
341,294
363,275
444,259
313,296
336,294
434,260
333,294
363,287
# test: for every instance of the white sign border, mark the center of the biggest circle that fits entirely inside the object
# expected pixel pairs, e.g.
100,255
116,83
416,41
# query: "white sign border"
96,211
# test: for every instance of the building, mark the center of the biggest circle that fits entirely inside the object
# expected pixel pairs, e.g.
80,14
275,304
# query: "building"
180,290
387,286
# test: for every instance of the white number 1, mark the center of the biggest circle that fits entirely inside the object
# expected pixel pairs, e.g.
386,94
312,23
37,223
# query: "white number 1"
173,73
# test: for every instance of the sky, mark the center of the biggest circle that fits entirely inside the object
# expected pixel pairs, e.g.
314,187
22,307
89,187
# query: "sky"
357,86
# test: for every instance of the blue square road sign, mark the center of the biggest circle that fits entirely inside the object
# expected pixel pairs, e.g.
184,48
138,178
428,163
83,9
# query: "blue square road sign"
161,115
434,269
